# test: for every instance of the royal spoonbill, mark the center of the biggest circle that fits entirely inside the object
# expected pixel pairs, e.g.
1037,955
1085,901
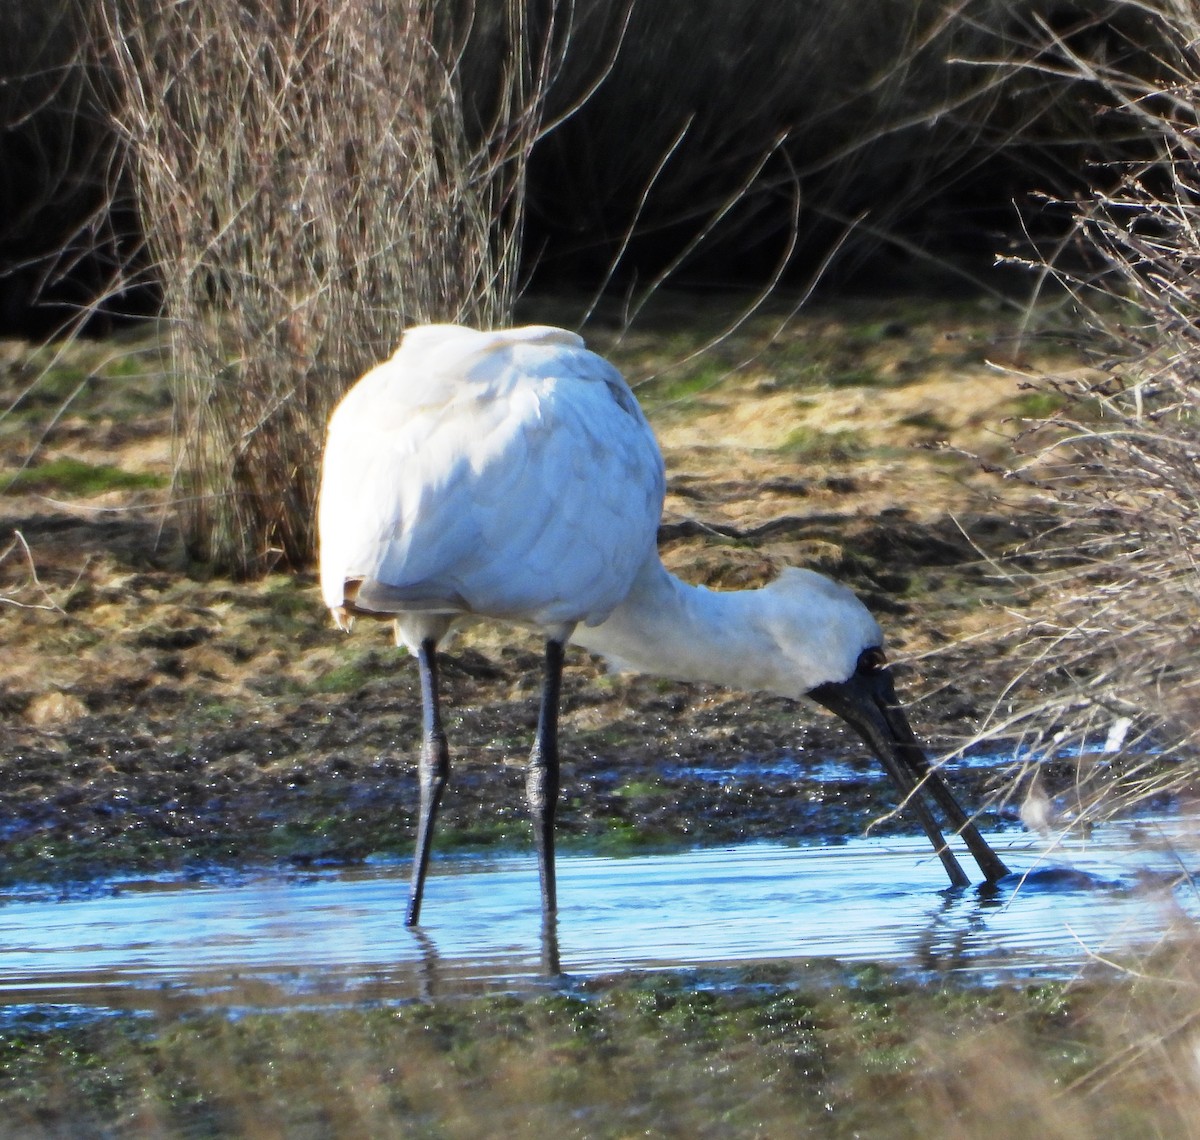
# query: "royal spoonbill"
512,475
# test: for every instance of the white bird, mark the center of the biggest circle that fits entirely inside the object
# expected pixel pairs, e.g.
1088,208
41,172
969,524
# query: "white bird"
512,475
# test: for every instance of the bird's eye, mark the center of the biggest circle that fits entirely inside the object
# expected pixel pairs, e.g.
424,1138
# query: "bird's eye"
872,660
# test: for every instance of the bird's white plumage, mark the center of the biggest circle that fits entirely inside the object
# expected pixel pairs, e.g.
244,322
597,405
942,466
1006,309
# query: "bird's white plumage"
794,634
508,474
512,474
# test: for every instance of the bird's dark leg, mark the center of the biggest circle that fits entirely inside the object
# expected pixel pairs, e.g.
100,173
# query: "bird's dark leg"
550,959
434,770
541,782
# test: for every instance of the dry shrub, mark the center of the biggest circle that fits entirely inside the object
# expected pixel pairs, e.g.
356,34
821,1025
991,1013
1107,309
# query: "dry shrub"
307,188
1115,647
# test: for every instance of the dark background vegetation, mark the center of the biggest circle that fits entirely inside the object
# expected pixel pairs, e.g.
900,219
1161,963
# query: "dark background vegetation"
885,145
722,144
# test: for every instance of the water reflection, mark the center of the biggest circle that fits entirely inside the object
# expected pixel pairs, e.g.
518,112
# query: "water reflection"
337,936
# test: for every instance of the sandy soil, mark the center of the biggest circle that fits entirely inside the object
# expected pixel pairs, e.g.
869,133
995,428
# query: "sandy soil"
155,717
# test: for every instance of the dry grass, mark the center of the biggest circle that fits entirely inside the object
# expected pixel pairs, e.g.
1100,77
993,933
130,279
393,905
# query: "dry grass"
313,179
801,1049
307,188
1111,654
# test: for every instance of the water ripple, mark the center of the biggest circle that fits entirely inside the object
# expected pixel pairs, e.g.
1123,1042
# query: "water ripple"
329,935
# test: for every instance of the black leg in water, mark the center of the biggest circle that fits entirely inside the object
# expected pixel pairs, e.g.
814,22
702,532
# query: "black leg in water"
550,959
541,782
434,771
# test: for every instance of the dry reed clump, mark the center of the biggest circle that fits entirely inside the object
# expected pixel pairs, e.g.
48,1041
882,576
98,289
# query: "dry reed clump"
1113,654
307,189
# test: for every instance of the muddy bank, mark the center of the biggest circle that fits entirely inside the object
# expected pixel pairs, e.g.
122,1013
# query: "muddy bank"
156,716
227,723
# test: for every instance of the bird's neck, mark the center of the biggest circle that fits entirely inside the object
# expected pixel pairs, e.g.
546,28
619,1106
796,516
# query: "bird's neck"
689,633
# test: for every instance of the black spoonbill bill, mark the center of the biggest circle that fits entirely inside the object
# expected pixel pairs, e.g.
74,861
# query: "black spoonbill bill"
512,475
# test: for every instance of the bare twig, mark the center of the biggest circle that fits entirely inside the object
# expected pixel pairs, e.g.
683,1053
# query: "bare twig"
18,546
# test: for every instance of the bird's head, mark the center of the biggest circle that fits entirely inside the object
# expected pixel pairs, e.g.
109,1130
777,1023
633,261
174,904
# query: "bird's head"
817,627
836,658
867,701
834,649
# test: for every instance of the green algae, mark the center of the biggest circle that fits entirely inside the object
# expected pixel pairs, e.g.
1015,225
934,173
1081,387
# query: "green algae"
792,1049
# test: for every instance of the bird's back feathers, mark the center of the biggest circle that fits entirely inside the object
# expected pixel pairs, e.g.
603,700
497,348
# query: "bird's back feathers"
509,474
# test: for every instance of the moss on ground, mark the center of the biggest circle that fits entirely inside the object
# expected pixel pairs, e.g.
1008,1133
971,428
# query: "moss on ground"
794,1049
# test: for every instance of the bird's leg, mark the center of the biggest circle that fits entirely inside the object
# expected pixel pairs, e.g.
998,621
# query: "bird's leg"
550,959
433,772
541,781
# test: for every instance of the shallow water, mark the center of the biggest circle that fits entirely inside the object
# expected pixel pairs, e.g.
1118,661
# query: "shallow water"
275,938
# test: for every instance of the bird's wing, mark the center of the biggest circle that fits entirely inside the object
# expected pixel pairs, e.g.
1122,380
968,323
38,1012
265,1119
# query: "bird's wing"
509,474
